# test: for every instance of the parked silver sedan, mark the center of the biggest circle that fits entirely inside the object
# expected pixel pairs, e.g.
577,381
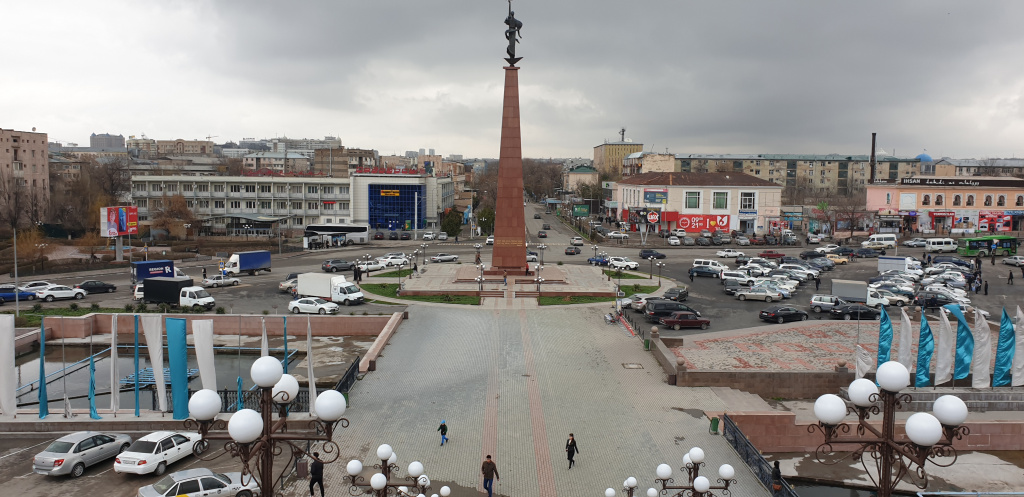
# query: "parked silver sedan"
202,481
71,454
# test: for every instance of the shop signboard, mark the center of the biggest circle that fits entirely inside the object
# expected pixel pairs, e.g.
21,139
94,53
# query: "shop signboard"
581,210
748,214
691,222
656,196
992,221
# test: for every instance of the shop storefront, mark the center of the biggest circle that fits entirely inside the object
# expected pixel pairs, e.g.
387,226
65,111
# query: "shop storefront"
748,221
888,221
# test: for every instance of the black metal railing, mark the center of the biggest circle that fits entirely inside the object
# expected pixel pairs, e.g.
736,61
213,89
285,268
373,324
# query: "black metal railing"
753,459
250,400
349,378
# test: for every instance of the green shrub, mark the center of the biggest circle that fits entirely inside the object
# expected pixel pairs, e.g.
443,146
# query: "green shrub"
37,307
266,312
129,307
220,310
94,306
164,308
636,287
73,306
141,307
559,263
366,313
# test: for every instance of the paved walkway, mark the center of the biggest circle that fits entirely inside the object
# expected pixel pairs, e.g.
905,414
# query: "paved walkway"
513,384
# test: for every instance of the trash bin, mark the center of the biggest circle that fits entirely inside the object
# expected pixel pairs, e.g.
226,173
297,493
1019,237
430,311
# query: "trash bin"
647,344
714,426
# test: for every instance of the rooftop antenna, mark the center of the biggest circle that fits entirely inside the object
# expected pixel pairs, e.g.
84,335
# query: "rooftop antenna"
622,134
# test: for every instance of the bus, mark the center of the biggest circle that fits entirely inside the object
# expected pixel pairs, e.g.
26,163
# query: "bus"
335,234
983,246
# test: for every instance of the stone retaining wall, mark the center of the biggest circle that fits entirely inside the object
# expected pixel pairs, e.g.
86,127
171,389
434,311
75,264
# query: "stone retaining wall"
224,324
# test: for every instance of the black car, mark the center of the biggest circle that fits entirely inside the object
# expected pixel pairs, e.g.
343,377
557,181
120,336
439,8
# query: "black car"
393,235
659,308
733,286
781,314
536,216
790,260
845,252
932,300
938,259
406,235
742,259
95,286
572,250
335,265
378,235
868,253
705,271
717,240
678,293
703,241
809,254
542,234
648,253
546,226
854,311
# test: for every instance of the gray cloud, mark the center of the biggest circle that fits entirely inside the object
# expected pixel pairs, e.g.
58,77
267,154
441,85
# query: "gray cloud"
693,77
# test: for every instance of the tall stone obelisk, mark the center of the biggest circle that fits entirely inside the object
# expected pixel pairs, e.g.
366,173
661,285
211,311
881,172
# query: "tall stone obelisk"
509,253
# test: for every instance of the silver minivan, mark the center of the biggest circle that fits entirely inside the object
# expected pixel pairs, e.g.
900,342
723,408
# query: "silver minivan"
824,303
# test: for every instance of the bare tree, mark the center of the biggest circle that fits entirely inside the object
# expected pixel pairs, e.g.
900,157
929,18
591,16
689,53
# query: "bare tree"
111,177
173,213
988,167
13,199
850,208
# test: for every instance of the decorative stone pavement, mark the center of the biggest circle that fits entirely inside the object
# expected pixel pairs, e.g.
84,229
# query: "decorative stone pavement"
513,384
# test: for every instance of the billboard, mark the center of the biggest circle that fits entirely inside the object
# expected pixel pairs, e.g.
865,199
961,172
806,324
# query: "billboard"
656,196
581,210
119,221
696,222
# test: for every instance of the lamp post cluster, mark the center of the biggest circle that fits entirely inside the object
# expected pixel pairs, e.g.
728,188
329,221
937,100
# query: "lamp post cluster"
247,227
542,247
380,485
255,437
660,266
697,485
423,250
539,280
929,437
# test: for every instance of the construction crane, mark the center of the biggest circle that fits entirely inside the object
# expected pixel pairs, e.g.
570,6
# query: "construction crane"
211,136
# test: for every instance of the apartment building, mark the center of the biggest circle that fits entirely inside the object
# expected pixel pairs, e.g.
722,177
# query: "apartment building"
337,162
944,205
147,147
649,162
608,156
25,170
277,162
106,140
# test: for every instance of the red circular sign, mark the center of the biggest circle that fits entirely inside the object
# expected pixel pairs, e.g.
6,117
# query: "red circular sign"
652,217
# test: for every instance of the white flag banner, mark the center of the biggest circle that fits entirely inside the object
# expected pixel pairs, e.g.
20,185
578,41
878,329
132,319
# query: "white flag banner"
905,356
309,367
944,351
152,326
115,373
202,336
8,373
1017,374
981,368
264,348
864,362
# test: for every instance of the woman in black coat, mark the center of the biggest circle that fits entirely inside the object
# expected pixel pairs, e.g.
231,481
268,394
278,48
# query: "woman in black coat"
571,449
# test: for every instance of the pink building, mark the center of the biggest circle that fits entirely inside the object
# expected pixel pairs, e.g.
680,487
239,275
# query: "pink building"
947,205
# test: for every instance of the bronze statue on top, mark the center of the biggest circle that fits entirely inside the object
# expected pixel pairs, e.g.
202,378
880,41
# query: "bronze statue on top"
512,35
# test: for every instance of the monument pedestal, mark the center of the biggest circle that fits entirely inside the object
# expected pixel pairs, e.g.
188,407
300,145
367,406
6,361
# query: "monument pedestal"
509,252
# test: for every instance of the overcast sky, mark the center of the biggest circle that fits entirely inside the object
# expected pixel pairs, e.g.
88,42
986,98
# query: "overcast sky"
689,77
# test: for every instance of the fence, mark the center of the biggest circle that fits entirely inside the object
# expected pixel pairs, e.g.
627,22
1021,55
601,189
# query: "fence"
752,458
250,400
349,378
637,322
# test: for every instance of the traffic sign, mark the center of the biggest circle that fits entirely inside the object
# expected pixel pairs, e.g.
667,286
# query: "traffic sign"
652,217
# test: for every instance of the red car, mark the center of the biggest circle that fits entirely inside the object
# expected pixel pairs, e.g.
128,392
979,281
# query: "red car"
771,254
684,319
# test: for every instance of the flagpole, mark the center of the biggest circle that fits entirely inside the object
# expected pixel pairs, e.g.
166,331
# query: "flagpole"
136,365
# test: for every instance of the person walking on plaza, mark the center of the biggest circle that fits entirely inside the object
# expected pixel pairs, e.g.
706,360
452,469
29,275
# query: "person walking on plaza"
356,274
444,432
490,471
504,276
776,478
1009,281
571,449
986,285
316,474
691,275
817,283
204,272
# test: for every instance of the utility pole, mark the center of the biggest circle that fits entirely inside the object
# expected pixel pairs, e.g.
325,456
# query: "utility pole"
871,178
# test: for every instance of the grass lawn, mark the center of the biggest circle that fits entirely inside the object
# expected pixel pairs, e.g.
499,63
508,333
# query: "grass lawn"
625,275
575,299
630,289
394,274
388,290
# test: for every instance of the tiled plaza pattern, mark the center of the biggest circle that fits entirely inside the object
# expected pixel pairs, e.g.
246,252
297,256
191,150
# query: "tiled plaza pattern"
514,384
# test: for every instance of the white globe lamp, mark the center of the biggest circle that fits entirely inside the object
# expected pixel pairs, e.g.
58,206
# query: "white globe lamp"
378,481
266,371
415,469
204,405
830,409
861,391
924,429
892,376
664,471
330,405
651,492
384,452
245,426
630,482
726,472
445,491
354,467
609,492
686,460
950,410
696,455
286,389
701,484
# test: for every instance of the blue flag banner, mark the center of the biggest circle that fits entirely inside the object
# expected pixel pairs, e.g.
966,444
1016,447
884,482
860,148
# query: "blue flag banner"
92,390
136,365
884,337
238,403
177,358
964,344
925,350
44,406
1004,352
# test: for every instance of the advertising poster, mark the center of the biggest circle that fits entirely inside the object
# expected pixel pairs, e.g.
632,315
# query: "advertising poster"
697,222
652,196
119,221
581,210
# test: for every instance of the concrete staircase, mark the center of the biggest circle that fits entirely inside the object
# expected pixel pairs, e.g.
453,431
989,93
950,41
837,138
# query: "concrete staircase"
738,400
977,400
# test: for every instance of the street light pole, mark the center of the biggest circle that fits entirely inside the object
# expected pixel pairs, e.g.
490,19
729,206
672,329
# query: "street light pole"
660,265
651,259
380,483
255,437
698,486
928,436
541,247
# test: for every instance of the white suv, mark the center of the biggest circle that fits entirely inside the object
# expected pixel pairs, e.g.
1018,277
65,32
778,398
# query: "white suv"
428,236
623,263
576,240
739,276
395,261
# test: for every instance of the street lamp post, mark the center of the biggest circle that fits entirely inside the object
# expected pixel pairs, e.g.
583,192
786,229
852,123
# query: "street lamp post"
542,247
255,437
477,246
628,487
480,283
928,436
660,266
539,281
246,227
595,247
651,259
399,278
187,226
417,483
697,486
423,250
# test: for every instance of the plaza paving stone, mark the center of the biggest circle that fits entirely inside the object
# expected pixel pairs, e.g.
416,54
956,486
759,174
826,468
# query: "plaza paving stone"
514,384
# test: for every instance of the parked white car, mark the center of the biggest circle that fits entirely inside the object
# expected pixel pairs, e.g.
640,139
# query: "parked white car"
577,241
531,258
754,270
371,266
673,241
490,240
618,235
428,236
623,263
444,258
57,292
312,306
35,286
137,293
154,452
442,236
827,249
1014,260
187,482
219,280
729,253
758,294
395,261
288,285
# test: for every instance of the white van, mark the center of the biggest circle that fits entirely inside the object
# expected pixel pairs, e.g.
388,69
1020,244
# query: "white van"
710,263
940,245
887,239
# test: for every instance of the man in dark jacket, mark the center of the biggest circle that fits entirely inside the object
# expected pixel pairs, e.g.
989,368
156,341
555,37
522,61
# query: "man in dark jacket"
490,471
316,474
444,432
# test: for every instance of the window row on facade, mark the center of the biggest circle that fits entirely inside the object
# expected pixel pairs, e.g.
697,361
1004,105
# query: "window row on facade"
968,200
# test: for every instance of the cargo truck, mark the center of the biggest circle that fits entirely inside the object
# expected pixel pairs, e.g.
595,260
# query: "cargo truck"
152,269
850,291
904,264
177,292
248,262
329,287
